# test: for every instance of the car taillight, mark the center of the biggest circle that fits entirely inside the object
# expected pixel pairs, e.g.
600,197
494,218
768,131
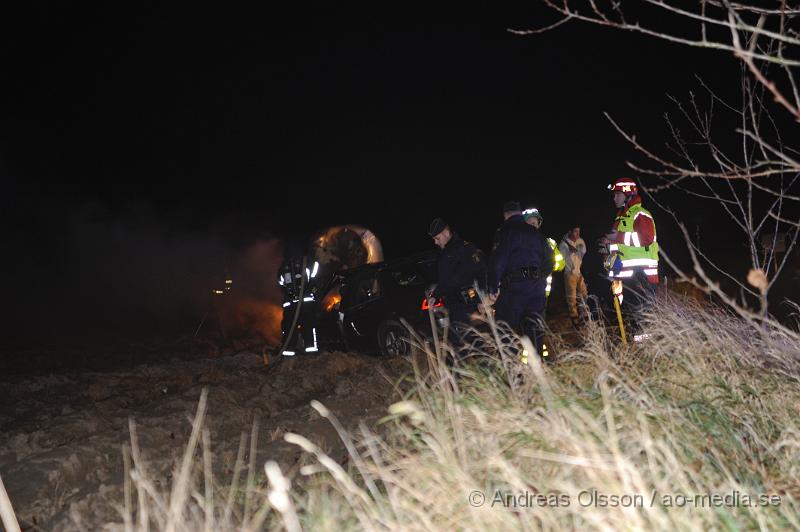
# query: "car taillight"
439,303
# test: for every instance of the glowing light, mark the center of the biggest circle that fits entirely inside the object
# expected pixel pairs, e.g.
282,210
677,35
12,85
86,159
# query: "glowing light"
287,304
331,302
439,303
228,281
309,298
219,291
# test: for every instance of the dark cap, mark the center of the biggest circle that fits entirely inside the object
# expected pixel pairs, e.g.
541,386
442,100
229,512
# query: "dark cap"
512,206
437,226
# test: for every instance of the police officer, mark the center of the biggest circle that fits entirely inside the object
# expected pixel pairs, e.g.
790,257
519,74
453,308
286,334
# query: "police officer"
460,266
520,263
533,217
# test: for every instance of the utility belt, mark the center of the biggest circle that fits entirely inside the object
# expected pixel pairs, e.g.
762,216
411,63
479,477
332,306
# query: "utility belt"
462,297
529,273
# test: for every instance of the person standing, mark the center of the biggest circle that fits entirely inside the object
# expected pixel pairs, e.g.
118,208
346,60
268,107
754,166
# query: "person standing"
534,217
633,246
573,248
460,266
519,265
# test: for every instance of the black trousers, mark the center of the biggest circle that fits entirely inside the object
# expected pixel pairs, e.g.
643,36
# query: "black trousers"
637,296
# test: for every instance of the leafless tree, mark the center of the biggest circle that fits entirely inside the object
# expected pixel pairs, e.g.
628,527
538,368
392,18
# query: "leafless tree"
757,183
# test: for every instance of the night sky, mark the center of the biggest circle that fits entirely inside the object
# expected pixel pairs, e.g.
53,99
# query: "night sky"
141,148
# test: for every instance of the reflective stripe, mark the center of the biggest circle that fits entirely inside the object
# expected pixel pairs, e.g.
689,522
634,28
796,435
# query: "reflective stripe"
315,270
635,239
310,298
288,353
628,238
287,304
628,263
641,213
314,348
651,271
623,273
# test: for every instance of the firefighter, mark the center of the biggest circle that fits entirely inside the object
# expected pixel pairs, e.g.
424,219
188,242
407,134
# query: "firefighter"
534,218
633,250
300,307
519,266
460,266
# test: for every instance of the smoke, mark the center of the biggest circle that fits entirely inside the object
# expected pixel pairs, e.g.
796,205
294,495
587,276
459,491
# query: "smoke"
85,271
252,304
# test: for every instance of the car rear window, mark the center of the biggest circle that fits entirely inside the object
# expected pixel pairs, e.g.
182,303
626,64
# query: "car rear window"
408,278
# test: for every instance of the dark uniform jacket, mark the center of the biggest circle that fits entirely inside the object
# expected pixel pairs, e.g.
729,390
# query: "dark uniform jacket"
518,246
460,265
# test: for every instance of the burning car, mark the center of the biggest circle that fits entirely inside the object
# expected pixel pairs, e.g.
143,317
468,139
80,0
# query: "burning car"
364,308
376,300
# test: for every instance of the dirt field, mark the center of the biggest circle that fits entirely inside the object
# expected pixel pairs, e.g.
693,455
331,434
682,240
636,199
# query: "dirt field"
61,436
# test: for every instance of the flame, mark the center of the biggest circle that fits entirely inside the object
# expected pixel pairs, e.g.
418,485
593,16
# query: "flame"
335,300
332,299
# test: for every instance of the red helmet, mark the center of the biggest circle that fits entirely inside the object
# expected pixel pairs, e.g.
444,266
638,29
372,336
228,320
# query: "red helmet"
625,185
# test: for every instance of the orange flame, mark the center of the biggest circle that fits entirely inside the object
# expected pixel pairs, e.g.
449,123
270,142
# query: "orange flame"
331,300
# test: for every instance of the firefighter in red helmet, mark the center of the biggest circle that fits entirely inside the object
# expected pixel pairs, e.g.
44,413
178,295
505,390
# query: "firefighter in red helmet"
632,247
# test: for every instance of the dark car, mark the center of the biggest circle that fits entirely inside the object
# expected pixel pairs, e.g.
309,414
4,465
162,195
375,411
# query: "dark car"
367,306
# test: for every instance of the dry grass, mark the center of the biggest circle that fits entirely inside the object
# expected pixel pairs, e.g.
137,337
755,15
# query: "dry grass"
707,407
